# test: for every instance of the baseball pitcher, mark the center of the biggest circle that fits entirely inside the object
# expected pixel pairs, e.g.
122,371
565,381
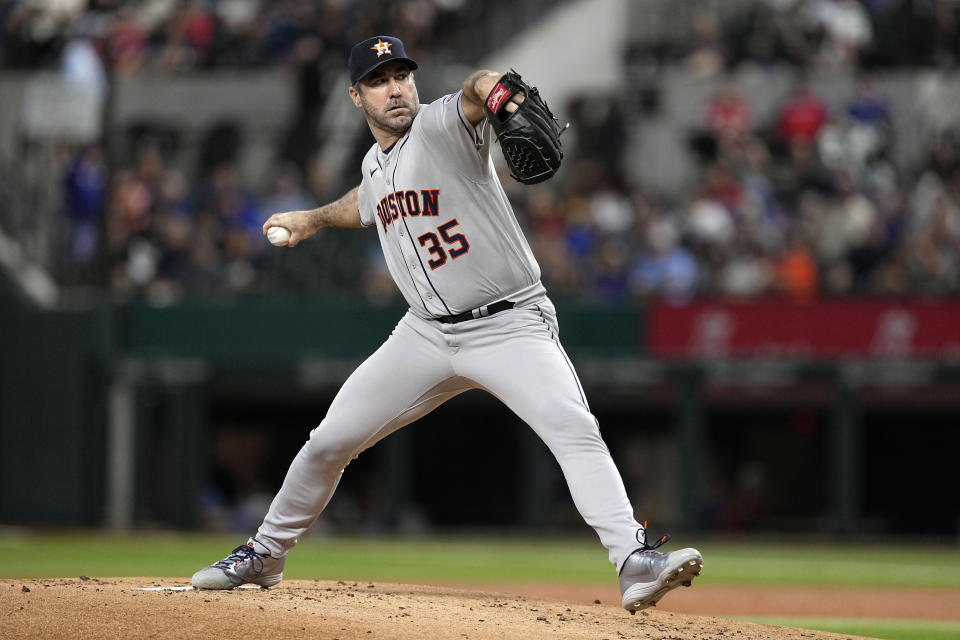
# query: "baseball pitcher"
479,316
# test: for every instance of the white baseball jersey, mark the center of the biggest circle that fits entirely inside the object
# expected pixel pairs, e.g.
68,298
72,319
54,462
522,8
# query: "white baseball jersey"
454,245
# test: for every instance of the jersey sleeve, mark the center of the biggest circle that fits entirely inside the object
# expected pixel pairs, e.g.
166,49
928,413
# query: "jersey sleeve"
365,203
464,145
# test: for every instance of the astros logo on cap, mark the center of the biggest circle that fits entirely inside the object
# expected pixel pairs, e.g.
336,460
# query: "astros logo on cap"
381,48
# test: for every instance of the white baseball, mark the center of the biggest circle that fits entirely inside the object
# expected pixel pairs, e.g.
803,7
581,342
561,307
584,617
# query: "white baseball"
278,236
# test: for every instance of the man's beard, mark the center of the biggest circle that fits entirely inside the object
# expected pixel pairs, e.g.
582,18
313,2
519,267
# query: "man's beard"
381,119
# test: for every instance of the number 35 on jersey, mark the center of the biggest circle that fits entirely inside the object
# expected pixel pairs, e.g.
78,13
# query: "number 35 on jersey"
456,244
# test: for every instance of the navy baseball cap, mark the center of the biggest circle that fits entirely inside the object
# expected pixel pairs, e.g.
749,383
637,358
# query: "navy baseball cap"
373,52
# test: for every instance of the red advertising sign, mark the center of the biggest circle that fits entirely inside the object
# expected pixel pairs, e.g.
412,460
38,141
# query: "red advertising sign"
857,328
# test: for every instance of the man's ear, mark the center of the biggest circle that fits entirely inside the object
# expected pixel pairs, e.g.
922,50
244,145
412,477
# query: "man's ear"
355,96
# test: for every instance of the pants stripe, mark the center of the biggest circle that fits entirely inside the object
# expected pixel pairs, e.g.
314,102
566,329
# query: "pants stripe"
573,372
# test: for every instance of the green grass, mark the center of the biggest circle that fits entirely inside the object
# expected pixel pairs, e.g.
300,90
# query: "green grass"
177,556
476,560
871,627
367,559
838,565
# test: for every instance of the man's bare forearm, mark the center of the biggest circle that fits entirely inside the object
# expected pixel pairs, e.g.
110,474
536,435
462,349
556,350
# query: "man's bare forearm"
478,85
475,90
342,213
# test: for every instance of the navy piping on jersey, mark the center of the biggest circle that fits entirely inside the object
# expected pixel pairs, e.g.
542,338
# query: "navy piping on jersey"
358,199
389,149
405,226
416,288
470,130
583,398
414,282
409,273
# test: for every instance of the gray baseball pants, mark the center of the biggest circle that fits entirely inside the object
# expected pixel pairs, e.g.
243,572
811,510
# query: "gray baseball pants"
516,356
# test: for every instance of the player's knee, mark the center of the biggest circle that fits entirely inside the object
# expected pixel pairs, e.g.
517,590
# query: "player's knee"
331,448
569,418
574,428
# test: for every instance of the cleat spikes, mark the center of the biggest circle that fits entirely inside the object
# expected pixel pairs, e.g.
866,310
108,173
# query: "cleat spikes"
648,575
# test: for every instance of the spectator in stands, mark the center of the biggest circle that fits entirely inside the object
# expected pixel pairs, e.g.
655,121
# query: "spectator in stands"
760,208
798,123
85,193
611,212
709,223
722,186
81,64
189,37
869,107
286,192
33,32
772,31
234,43
128,212
801,116
863,135
543,215
846,32
892,276
795,269
132,223
745,272
727,115
726,121
847,237
610,271
934,266
174,229
934,242
126,42
664,269
704,56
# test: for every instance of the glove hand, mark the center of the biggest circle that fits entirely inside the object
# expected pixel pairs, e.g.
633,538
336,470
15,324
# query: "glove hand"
515,102
528,132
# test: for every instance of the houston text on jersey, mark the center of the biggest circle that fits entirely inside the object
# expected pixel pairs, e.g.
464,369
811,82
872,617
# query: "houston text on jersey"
408,203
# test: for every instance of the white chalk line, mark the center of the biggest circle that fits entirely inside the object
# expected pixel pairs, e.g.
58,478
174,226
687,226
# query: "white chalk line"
177,588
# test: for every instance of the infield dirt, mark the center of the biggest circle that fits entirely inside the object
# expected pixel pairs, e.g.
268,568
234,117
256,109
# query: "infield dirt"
118,608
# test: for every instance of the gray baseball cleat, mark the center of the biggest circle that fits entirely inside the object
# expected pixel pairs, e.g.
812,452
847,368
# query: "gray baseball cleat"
248,563
647,575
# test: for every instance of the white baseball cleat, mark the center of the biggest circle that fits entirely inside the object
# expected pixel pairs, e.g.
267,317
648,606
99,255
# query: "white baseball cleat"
249,563
647,575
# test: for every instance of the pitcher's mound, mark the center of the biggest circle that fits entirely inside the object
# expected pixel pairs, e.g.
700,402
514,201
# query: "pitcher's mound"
134,608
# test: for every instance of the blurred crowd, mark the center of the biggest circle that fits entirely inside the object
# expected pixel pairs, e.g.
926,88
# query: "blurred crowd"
135,218
803,205
806,205
822,35
174,36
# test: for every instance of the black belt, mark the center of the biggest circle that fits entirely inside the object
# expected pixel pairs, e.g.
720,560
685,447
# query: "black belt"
481,312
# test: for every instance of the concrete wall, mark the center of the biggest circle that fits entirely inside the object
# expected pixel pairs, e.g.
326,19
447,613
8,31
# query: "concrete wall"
262,102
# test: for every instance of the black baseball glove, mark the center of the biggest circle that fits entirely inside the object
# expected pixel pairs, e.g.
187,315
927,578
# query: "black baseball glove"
530,136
